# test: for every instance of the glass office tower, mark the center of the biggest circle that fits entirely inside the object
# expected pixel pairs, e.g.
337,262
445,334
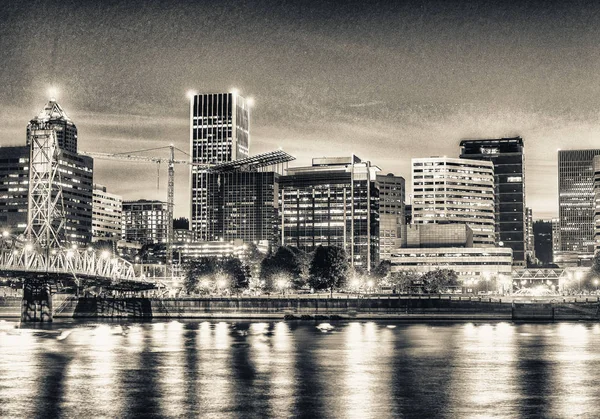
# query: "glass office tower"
219,133
507,154
576,206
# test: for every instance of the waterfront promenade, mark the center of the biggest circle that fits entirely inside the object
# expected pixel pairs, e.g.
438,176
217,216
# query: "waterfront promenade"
307,307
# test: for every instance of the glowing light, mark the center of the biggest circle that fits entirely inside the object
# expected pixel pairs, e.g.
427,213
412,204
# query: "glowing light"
190,94
235,91
222,283
105,254
370,284
52,93
5,233
90,249
250,101
29,247
70,254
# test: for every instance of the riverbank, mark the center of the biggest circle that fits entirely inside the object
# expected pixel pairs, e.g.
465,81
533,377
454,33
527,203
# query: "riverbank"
384,308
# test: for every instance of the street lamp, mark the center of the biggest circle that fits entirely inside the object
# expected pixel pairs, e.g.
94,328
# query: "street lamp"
281,284
596,284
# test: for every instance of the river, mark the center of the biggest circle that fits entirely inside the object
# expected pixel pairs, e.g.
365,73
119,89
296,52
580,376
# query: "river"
299,369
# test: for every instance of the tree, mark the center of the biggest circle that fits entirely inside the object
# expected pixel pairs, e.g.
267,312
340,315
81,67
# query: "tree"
382,270
288,264
198,270
235,272
404,281
213,273
439,280
329,268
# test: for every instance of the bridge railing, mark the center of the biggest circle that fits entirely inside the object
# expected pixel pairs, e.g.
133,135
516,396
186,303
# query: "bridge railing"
80,262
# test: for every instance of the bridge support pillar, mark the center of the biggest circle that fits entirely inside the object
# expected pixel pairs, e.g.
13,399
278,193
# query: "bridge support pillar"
37,302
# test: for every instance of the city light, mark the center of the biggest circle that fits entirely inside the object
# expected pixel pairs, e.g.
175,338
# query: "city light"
191,94
5,233
105,254
52,92
250,101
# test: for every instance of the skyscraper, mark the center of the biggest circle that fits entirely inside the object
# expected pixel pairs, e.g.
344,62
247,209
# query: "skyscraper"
243,198
392,190
334,202
219,133
54,117
507,155
76,178
576,206
455,191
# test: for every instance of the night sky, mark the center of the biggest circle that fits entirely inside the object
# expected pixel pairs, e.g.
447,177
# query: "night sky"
386,82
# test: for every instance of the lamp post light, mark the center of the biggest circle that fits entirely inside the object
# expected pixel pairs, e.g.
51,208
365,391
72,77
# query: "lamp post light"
596,284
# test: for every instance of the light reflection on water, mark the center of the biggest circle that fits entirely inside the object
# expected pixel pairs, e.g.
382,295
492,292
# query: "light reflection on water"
279,369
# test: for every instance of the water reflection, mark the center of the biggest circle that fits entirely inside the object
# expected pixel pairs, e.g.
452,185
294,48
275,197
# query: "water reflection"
279,369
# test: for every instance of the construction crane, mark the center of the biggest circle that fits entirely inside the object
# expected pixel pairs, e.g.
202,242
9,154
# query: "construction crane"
130,156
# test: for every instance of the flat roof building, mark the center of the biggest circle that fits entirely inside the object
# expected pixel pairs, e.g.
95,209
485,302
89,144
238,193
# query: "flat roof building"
219,133
145,222
107,211
507,155
392,191
455,191
334,202
576,202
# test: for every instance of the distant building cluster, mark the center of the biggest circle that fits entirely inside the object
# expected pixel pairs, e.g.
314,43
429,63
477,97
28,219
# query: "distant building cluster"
466,212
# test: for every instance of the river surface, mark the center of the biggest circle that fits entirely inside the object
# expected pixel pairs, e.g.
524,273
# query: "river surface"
299,369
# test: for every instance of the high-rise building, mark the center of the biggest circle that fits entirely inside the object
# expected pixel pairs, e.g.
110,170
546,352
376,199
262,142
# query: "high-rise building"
576,206
334,202
555,238
542,231
243,198
455,191
107,212
145,221
596,165
14,188
392,191
219,133
76,179
507,155
530,242
54,117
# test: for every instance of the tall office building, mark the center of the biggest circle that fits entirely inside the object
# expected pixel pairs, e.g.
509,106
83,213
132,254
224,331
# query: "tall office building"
334,202
107,211
507,155
530,242
455,191
145,221
576,206
54,117
392,191
219,133
596,165
555,238
76,174
243,198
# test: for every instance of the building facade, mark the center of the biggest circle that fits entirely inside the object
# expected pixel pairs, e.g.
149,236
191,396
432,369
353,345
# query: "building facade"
54,117
219,133
596,166
392,193
530,243
576,202
14,188
507,155
76,179
455,191
470,264
145,222
334,202
107,212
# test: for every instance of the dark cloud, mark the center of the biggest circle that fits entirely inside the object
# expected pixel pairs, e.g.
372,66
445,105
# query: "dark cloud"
386,80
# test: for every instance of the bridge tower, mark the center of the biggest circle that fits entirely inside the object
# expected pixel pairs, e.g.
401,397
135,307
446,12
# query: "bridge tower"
46,218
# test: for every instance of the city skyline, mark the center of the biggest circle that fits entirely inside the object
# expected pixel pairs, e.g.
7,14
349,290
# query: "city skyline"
387,82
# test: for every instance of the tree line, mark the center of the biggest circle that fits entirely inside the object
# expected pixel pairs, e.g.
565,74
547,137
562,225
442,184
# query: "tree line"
325,269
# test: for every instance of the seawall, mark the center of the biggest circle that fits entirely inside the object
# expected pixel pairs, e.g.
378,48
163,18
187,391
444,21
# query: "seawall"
408,308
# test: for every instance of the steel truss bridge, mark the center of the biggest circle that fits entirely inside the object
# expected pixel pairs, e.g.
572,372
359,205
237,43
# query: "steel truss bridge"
39,258
78,266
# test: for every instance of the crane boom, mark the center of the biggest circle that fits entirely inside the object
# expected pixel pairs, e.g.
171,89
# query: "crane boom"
170,181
